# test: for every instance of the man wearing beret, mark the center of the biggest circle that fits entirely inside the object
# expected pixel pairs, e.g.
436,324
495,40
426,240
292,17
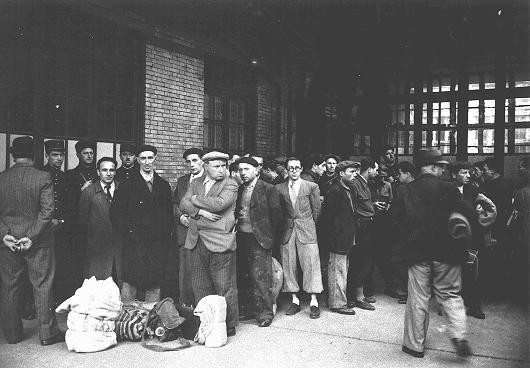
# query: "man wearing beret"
193,158
142,212
420,215
129,166
338,216
26,209
64,197
211,242
259,216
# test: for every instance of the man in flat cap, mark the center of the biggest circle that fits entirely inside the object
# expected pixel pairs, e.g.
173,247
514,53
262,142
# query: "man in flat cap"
259,216
64,197
338,218
129,166
26,209
193,158
211,241
420,214
142,212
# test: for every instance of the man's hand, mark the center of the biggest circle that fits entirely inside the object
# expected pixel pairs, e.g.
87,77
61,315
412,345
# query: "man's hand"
381,206
11,242
25,243
210,216
185,220
87,183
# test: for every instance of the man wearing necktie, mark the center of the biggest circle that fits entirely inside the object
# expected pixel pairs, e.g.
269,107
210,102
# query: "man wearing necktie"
300,203
211,243
142,211
103,247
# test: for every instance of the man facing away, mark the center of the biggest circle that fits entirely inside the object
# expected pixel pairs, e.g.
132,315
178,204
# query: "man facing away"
210,202
421,213
26,210
301,207
193,158
142,212
259,214
103,245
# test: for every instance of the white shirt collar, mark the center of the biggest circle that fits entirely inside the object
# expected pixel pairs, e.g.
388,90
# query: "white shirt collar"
147,177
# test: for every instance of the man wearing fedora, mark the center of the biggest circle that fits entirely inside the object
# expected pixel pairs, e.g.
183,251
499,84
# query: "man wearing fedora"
63,216
420,215
211,240
129,166
26,209
142,212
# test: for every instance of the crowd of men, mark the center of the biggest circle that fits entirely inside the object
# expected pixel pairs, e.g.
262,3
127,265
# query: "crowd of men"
423,226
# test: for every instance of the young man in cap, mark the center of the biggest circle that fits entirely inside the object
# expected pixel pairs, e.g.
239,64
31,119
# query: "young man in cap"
193,158
64,196
85,172
259,215
129,166
420,212
143,213
103,243
330,175
26,209
338,215
301,207
210,202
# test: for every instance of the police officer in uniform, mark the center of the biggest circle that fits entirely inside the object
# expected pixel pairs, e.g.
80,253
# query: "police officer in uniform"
129,165
63,217
84,173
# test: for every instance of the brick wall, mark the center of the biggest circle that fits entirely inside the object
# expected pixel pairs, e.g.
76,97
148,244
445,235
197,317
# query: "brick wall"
267,118
174,98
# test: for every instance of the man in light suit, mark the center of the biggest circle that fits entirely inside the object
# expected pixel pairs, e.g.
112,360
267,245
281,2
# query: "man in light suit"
300,203
259,215
103,245
26,211
211,242
193,157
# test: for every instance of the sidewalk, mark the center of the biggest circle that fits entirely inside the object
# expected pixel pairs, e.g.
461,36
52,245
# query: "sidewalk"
368,339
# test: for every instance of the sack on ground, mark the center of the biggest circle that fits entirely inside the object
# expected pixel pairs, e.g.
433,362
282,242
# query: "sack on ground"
212,311
89,342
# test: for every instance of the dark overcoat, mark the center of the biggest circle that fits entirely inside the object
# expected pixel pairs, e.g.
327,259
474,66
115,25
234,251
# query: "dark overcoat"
144,220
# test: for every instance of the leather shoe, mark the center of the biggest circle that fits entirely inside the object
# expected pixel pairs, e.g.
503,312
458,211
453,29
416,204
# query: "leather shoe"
462,347
265,323
344,310
230,331
369,299
53,340
314,312
361,305
476,312
293,309
414,353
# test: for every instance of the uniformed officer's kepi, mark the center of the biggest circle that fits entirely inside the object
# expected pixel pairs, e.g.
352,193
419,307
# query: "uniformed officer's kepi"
54,145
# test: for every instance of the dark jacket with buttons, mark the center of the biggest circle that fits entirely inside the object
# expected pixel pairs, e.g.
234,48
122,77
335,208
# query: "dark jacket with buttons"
63,195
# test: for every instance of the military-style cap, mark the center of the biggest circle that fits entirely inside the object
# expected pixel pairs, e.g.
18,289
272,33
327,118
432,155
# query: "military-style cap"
128,147
22,147
343,165
54,145
147,147
215,155
81,145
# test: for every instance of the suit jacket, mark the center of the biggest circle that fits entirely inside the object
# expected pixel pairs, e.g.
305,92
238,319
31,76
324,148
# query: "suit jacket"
180,231
144,220
420,216
265,212
218,236
103,243
303,217
338,219
26,204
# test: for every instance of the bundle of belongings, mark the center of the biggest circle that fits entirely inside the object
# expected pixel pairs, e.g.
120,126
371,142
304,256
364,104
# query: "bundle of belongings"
212,312
92,312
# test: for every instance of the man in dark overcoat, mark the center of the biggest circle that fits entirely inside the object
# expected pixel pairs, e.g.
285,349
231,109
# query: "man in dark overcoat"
142,211
26,209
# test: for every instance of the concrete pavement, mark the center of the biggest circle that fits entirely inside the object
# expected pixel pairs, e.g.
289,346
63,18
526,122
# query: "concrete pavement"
368,339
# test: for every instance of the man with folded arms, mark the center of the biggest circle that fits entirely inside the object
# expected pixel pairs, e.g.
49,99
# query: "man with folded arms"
259,214
339,216
211,242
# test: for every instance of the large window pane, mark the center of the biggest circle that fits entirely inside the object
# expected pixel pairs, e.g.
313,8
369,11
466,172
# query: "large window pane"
487,140
472,141
55,115
522,109
445,113
489,111
522,140
78,117
473,112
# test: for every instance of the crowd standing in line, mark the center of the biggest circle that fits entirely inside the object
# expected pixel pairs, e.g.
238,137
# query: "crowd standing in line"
217,233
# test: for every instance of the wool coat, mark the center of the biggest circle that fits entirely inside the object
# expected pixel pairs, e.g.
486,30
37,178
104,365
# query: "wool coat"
144,220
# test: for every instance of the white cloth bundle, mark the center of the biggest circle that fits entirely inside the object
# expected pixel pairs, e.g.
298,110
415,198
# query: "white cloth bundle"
83,323
212,331
89,342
